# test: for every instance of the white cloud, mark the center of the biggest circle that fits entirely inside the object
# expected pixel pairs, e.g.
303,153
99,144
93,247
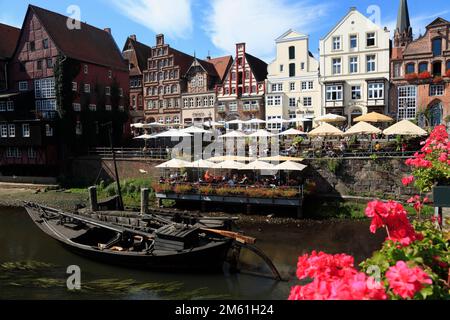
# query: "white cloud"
418,23
258,23
171,17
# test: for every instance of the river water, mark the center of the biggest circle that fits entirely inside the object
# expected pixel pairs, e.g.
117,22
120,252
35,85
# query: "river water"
33,266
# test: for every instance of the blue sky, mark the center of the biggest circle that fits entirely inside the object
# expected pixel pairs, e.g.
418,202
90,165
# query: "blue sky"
214,26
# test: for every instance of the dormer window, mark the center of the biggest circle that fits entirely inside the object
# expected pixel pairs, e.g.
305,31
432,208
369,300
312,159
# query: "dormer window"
85,69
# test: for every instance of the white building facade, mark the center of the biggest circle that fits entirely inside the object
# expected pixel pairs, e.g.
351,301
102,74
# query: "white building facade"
293,90
354,67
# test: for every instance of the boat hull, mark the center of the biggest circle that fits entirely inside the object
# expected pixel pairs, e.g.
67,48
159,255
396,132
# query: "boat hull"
207,258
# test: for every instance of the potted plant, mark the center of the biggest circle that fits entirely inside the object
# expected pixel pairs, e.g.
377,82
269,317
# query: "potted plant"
411,76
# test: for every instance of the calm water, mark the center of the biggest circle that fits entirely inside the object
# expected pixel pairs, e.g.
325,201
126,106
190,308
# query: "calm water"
33,266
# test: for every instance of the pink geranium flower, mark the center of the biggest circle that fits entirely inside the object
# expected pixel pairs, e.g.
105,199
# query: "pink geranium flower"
405,281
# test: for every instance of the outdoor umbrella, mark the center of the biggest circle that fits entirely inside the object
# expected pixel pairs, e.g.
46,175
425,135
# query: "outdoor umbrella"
174,164
172,134
331,118
201,164
281,159
255,121
229,164
262,134
234,134
292,132
229,158
237,121
405,128
362,128
210,124
145,137
258,165
325,130
374,117
194,130
290,166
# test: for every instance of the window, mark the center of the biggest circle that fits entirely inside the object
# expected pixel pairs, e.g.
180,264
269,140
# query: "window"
199,102
10,105
26,130
108,107
87,88
22,67
32,46
176,120
436,90
92,107
109,74
49,63
76,107
334,92
307,101
437,47
292,70
277,101
397,69
13,153
353,64
437,68
356,92
410,68
302,66
407,102
78,128
270,100
336,43
45,43
74,86
371,65
4,130
353,41
44,88
307,85
376,90
191,102
371,39
292,86
39,65
281,68
121,92
448,65
32,153
233,107
23,86
337,64
292,102
108,91
277,87
86,69
2,106
291,53
11,130
423,67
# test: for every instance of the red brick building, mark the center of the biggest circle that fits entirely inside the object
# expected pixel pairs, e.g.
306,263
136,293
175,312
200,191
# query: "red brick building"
242,94
9,37
420,71
137,55
164,81
66,83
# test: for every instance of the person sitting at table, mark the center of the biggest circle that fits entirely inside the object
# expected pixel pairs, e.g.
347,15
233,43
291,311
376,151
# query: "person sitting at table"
207,177
231,182
377,147
162,180
244,180
343,146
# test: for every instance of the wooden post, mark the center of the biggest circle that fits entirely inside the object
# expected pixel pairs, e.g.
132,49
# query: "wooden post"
144,200
93,198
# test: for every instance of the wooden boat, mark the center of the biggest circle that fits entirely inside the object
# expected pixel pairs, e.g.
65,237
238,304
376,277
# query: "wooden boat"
168,247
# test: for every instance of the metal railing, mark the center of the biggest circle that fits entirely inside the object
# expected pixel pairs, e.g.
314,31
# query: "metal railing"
131,153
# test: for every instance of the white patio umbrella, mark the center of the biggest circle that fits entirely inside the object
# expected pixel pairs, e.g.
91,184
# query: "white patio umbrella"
295,120
326,130
234,134
258,165
201,164
255,121
174,133
237,121
330,118
210,124
405,128
229,164
290,166
174,164
262,134
230,158
292,132
145,137
137,125
194,130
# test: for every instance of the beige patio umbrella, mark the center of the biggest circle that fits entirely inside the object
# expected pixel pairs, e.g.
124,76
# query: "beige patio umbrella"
292,132
281,159
326,130
234,134
330,118
362,128
258,165
174,164
374,117
405,128
262,134
201,164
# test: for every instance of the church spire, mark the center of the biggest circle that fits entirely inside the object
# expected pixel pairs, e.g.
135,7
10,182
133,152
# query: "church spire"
403,32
